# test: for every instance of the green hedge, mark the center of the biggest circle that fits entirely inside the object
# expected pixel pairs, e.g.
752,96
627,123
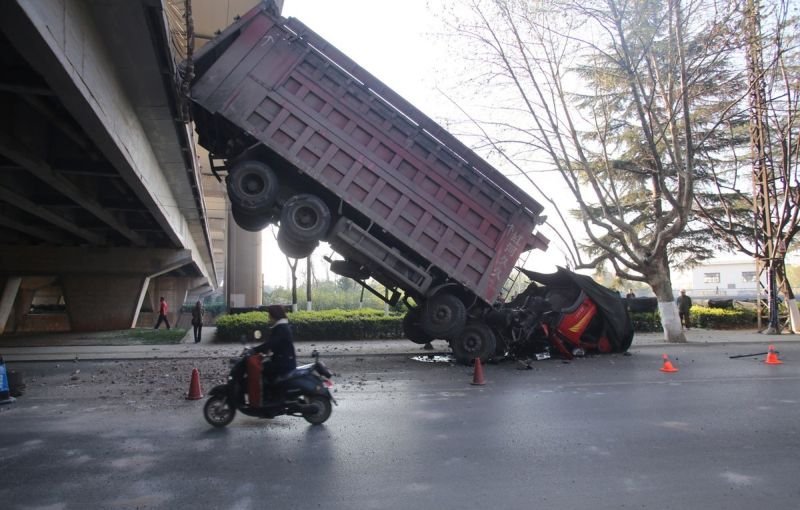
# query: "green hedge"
371,324
327,324
700,317
721,318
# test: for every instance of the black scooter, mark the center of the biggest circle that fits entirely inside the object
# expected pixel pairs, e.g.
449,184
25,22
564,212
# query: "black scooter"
302,392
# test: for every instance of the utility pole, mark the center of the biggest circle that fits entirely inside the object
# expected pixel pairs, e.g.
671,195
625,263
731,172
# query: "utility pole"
763,173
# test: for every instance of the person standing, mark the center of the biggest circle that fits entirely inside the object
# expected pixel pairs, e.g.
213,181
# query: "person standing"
684,305
630,294
162,313
197,320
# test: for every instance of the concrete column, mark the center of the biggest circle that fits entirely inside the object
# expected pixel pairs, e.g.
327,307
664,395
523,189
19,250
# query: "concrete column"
198,288
7,299
102,303
104,287
24,302
243,280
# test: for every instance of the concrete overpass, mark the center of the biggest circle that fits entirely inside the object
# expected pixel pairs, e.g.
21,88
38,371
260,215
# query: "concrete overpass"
105,202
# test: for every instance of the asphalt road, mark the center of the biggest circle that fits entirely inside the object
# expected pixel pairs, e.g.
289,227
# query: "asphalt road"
596,433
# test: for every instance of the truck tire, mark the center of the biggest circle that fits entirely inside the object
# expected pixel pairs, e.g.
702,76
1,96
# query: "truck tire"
252,187
476,341
294,249
412,327
443,316
251,222
305,218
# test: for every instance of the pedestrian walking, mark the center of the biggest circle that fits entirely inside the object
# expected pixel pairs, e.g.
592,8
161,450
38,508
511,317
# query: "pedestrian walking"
163,308
197,320
684,305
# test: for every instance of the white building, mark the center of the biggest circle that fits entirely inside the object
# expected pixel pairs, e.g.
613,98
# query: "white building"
725,278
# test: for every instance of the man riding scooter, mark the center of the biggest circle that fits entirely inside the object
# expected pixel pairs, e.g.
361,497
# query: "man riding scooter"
289,390
280,343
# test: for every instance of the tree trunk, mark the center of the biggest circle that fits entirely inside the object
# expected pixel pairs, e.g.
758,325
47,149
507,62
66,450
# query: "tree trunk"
788,294
308,283
659,280
294,284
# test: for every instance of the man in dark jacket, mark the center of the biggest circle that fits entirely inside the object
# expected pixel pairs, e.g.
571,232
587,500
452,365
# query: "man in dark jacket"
280,343
684,305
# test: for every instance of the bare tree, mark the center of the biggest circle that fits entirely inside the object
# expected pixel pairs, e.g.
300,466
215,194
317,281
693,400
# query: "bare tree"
609,92
762,220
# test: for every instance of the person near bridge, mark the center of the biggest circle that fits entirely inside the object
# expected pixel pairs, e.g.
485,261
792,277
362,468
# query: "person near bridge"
163,308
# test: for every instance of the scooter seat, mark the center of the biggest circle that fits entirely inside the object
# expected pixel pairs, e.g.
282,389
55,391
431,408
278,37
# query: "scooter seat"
297,372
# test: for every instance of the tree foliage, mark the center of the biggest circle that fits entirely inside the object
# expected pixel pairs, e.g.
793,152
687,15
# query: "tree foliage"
624,100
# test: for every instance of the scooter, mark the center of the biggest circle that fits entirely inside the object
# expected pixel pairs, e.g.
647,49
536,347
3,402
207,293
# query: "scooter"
303,392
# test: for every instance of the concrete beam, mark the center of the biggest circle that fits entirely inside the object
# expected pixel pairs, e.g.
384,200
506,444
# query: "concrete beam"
149,262
39,168
26,205
45,235
7,298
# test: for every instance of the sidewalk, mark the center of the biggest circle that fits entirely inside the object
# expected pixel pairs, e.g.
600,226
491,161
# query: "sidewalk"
71,346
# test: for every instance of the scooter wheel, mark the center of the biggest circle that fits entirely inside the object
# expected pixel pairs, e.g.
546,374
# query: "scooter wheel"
218,412
322,409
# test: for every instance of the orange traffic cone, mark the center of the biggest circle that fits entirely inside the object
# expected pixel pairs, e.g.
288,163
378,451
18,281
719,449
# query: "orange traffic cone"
477,378
772,357
195,393
667,367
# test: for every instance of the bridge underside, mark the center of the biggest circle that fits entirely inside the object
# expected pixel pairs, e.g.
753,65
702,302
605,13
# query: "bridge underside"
102,204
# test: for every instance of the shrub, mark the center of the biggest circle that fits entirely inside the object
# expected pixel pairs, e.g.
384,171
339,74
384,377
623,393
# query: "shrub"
701,317
328,325
646,322
721,318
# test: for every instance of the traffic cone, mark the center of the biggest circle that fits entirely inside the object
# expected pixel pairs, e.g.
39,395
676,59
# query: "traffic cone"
477,378
772,357
667,367
195,393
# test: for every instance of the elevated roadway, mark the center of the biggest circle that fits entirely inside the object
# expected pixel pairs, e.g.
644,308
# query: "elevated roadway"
105,202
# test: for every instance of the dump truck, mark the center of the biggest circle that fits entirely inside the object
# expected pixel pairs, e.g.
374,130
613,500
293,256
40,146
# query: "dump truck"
308,140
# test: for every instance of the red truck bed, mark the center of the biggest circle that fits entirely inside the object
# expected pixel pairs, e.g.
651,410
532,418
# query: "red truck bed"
297,94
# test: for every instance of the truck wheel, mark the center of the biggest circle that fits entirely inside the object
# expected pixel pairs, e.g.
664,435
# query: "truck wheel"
443,316
413,329
476,341
305,218
252,187
249,221
295,249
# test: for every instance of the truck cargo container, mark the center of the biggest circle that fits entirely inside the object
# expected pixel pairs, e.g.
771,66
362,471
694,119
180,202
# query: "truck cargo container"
310,141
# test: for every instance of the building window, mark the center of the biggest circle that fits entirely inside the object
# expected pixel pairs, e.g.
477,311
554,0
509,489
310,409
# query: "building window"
749,276
710,277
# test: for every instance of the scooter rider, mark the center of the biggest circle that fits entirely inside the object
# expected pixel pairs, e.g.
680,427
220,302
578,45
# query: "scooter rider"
280,343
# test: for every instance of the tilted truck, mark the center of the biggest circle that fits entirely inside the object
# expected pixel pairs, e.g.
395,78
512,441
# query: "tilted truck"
314,143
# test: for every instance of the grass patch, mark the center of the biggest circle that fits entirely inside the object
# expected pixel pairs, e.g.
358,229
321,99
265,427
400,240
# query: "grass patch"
157,336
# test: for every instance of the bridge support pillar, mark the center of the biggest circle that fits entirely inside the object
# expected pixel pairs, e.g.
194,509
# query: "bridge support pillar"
103,302
9,289
243,280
